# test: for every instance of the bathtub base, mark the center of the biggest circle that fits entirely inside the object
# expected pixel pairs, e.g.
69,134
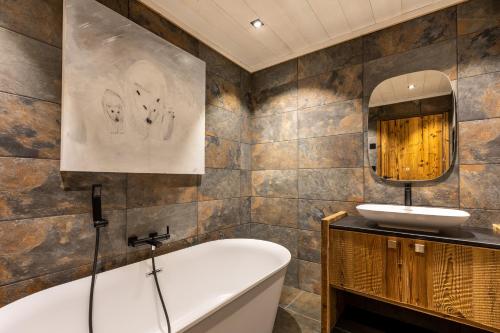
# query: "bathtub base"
255,311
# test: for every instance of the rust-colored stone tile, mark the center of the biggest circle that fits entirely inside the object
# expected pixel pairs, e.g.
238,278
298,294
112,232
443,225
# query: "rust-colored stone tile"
34,247
246,156
245,183
246,210
292,273
246,136
219,184
275,211
312,211
29,67
479,141
479,186
307,304
219,65
440,56
29,127
422,31
34,188
377,191
288,295
223,94
309,276
331,151
279,127
477,15
218,214
41,20
274,183
334,57
239,231
288,321
479,97
439,194
154,22
331,119
336,86
287,237
221,153
275,76
144,190
222,123
479,53
275,100
483,218
274,156
342,184
309,246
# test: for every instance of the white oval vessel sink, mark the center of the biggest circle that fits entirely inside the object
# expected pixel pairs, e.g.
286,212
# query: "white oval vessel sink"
426,219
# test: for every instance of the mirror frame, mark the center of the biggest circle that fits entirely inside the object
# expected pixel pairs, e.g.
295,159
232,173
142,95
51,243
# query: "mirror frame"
454,143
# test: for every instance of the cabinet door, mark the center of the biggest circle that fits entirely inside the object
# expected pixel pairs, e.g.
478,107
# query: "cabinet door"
358,262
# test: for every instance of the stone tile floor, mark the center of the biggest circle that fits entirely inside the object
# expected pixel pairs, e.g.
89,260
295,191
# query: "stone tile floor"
299,312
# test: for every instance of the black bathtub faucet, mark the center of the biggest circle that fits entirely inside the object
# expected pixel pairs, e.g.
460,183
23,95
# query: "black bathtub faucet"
408,194
154,239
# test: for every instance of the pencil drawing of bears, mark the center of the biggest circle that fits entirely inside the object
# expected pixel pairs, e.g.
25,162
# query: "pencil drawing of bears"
113,108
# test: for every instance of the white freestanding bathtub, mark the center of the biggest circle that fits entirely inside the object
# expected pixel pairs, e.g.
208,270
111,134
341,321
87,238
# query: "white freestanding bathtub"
225,286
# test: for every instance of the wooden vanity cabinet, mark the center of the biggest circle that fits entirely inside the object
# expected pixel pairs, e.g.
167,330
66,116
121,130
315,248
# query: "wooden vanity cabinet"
458,282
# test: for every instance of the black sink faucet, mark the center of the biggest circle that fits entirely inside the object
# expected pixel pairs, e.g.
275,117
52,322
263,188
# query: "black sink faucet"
154,239
408,194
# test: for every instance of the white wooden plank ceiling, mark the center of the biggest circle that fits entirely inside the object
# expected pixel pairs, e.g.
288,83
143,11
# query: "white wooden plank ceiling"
291,27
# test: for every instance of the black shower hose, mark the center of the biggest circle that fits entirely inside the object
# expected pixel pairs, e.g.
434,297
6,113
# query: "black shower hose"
158,288
92,284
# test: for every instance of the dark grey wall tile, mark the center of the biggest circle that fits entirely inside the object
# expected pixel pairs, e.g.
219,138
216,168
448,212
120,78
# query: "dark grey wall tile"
309,247
149,19
477,15
218,214
275,100
379,192
331,151
219,184
275,76
144,190
181,218
325,60
34,247
482,218
342,184
440,56
479,97
219,65
309,276
34,188
284,236
336,86
274,156
444,193
223,94
274,183
422,31
312,211
479,141
331,119
29,67
41,20
279,127
275,211
221,153
479,53
479,186
222,123
29,127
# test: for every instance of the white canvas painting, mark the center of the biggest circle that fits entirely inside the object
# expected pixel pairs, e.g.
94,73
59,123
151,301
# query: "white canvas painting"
132,102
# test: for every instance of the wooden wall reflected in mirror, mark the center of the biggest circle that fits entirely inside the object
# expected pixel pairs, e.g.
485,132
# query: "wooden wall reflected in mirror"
411,127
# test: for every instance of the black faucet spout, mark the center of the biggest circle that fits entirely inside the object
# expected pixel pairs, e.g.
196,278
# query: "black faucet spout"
153,239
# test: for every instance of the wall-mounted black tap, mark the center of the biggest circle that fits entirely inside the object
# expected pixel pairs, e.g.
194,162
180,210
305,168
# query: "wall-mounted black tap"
153,239
408,194
97,207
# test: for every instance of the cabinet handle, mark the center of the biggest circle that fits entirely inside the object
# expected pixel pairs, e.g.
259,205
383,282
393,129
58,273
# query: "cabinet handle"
420,248
392,244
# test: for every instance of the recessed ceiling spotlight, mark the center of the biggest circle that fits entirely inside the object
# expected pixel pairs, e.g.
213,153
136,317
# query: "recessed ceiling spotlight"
411,86
257,23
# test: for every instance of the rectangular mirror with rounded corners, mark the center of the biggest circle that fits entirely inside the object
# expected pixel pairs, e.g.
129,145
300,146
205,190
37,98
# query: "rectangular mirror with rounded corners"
411,127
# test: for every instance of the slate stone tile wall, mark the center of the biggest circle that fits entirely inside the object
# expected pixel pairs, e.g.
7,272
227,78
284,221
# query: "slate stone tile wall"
46,234
309,119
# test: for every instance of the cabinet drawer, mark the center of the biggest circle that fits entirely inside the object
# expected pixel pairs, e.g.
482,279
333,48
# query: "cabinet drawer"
456,281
